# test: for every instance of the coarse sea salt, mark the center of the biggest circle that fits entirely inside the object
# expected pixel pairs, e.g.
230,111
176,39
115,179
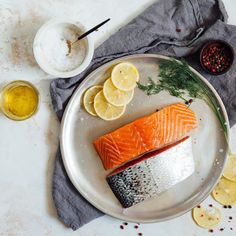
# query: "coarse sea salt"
55,48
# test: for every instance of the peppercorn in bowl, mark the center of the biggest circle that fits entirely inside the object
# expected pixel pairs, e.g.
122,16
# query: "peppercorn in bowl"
216,57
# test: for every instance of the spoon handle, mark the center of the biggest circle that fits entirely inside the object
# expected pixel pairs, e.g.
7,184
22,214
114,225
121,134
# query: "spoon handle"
93,29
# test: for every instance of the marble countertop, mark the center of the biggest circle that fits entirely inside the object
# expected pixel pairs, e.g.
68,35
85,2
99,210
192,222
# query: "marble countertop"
27,149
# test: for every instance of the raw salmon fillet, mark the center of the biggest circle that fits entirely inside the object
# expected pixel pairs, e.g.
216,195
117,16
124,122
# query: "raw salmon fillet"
145,134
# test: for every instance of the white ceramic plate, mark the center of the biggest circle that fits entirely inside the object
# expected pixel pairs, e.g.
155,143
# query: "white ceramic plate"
85,169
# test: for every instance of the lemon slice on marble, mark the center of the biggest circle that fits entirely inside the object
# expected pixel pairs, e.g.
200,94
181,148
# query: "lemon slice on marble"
225,192
230,168
88,99
116,96
125,76
207,218
105,110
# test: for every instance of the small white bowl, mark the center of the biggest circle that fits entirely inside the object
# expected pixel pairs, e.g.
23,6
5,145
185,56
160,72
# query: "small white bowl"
39,54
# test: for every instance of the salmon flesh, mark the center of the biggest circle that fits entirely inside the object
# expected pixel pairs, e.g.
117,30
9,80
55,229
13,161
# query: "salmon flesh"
145,134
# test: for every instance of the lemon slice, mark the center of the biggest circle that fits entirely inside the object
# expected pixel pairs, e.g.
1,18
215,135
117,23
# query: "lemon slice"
207,218
115,96
88,99
124,76
105,110
225,192
230,168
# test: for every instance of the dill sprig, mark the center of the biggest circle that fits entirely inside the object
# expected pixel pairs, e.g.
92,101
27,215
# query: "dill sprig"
177,78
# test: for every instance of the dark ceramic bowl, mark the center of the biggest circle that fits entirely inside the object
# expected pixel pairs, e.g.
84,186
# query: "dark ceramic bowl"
221,46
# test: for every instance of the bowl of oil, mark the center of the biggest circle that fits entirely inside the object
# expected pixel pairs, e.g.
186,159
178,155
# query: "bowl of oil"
19,100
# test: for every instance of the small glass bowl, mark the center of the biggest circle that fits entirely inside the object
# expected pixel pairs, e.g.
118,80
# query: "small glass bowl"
216,48
4,99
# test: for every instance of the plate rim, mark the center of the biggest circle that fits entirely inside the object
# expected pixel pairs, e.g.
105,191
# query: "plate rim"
63,153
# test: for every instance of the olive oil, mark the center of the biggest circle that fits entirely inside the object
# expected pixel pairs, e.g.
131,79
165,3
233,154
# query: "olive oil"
19,100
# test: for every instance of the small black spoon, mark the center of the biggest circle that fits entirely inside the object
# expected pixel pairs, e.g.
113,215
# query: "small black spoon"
70,44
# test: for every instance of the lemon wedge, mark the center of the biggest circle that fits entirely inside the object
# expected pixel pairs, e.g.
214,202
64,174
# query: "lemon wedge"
225,192
230,168
116,96
105,110
88,99
207,218
124,76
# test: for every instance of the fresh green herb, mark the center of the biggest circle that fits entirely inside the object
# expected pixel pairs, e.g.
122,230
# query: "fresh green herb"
177,78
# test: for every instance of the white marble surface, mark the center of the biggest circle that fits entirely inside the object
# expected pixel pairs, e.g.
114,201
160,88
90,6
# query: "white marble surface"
27,149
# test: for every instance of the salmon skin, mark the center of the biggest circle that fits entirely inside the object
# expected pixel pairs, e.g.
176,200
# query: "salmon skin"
146,134
148,177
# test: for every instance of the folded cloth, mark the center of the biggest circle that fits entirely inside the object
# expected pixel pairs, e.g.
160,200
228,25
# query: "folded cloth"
176,28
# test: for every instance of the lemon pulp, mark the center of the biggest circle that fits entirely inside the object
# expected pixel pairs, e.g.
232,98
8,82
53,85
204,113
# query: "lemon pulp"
230,168
207,218
88,99
116,96
125,76
225,192
105,110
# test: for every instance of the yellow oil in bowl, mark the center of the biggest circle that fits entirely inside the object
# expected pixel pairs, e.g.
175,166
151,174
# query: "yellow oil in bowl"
19,100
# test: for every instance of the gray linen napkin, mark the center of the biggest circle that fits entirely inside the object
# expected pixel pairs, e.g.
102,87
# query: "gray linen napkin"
176,28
